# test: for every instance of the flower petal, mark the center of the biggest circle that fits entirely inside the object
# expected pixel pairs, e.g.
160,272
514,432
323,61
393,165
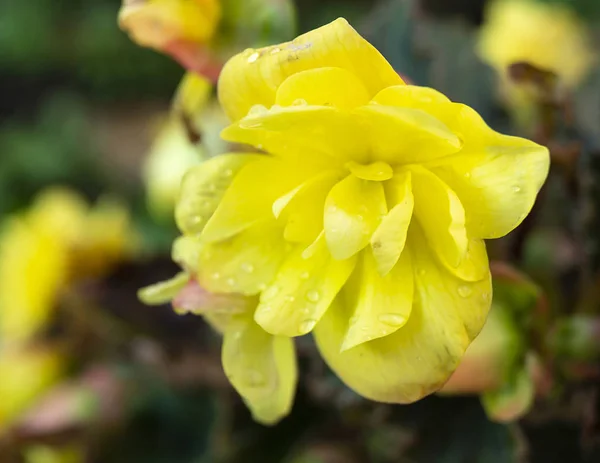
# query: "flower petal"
326,86
164,291
353,210
252,77
380,305
389,238
417,359
410,96
250,196
406,135
261,367
441,214
497,177
303,208
203,187
245,263
302,291
291,132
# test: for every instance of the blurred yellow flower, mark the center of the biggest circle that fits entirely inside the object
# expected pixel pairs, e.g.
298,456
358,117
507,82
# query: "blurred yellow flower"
57,240
26,373
363,224
47,454
548,36
161,24
173,152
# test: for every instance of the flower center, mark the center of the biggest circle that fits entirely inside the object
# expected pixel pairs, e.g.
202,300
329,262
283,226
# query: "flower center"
376,171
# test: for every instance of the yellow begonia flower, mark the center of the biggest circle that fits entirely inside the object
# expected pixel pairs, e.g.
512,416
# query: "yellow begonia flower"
59,239
548,36
363,224
26,372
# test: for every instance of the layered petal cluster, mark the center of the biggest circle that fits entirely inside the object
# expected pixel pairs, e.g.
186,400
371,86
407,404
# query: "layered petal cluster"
360,218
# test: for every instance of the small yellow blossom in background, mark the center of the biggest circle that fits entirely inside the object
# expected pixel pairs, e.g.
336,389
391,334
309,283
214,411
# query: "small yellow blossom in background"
59,239
187,137
360,218
548,36
26,372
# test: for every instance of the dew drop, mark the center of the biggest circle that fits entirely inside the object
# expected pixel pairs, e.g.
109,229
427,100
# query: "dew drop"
516,189
313,296
305,310
304,275
266,308
271,292
464,291
290,298
228,173
253,57
257,110
262,287
392,319
467,174
307,325
216,276
422,272
255,378
231,281
275,50
299,102
247,267
197,219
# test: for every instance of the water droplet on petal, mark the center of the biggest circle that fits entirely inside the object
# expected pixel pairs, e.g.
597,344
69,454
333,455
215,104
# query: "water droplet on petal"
313,296
304,275
467,174
255,378
275,50
231,281
197,219
262,287
290,298
266,308
247,267
257,110
271,292
516,189
216,276
307,325
392,319
228,173
299,102
464,291
422,272
253,57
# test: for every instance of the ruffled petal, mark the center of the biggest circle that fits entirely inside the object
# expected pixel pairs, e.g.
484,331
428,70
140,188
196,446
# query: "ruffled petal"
261,367
417,359
389,238
406,135
203,187
302,291
252,77
326,86
249,198
302,209
497,177
323,135
441,214
410,96
353,210
245,263
380,305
